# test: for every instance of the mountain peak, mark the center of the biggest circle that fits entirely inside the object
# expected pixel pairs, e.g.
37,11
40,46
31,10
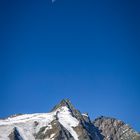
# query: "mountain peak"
67,103
64,102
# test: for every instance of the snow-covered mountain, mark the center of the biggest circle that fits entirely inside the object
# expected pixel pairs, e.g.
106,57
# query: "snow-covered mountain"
64,122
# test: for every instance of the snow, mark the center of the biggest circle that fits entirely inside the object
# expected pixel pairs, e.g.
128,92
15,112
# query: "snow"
26,118
52,135
85,115
25,124
66,119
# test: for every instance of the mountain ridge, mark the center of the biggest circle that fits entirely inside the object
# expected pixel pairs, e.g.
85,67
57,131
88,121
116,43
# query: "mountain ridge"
64,122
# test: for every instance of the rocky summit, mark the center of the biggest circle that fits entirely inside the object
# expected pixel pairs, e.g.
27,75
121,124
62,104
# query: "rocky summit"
64,122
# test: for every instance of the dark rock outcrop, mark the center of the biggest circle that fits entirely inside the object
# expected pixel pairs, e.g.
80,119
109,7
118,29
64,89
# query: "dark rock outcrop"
113,129
57,132
15,135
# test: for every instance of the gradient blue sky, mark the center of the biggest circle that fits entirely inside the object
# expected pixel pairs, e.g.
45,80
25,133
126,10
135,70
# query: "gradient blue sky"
84,50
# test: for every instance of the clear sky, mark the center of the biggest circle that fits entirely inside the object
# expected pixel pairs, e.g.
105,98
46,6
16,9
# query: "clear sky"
84,50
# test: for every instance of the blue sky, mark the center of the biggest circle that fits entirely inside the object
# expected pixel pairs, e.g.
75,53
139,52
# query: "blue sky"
84,50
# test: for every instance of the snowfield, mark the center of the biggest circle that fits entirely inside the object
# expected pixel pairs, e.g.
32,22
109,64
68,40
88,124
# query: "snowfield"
26,124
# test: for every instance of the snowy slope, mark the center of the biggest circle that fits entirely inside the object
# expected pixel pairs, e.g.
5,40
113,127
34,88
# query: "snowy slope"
25,124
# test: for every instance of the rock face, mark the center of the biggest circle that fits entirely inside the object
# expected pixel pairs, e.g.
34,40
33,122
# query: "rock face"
64,122
57,130
113,129
15,135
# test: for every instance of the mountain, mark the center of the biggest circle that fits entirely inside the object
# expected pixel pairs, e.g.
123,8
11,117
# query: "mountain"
113,129
64,122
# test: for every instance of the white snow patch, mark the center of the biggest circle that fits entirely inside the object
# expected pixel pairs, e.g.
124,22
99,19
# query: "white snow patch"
68,121
85,114
52,135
